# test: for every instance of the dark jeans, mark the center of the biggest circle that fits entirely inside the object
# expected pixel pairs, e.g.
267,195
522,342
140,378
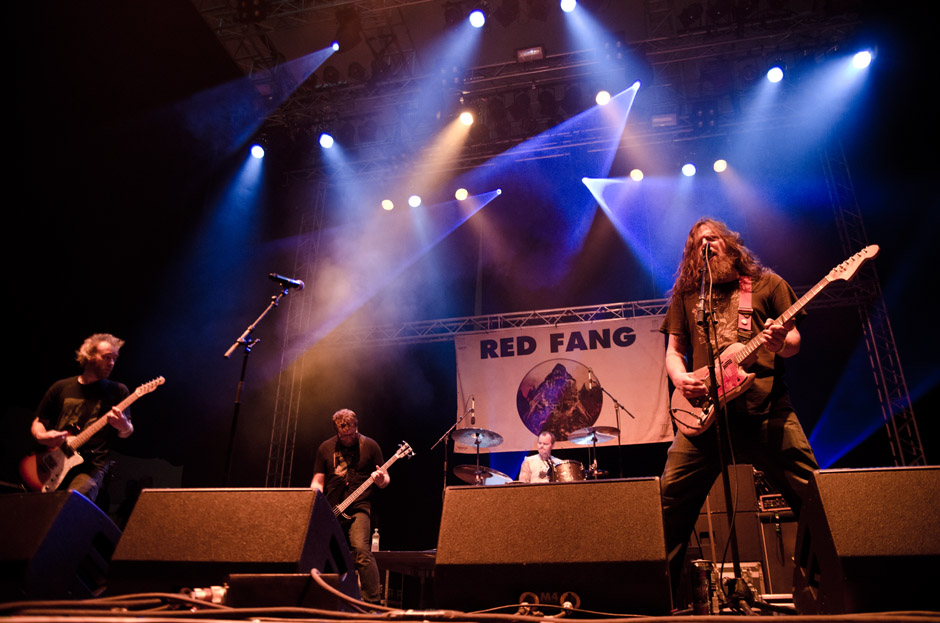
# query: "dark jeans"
776,445
359,533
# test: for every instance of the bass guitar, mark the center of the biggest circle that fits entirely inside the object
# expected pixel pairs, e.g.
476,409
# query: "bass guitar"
404,451
45,470
694,417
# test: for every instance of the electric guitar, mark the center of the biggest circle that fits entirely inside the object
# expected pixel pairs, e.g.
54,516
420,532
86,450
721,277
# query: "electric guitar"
695,417
45,470
404,451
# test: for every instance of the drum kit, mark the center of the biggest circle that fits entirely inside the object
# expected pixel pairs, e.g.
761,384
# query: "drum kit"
564,471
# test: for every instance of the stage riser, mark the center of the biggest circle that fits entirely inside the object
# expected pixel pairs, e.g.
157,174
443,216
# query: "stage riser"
601,540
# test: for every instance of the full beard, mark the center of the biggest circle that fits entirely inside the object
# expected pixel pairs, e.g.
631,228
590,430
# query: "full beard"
722,269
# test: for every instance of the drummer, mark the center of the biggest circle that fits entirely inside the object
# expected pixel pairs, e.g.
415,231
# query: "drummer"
538,467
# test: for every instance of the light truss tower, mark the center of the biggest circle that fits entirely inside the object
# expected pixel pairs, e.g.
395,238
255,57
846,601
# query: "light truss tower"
290,382
893,396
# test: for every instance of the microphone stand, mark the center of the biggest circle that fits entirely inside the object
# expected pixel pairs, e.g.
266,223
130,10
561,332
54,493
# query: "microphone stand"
707,319
446,438
249,342
617,408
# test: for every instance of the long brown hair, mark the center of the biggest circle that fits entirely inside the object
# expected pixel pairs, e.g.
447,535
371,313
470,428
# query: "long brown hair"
745,262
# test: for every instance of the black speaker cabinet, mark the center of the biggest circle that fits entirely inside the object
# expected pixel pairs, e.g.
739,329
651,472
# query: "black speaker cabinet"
778,544
53,545
598,544
868,540
187,538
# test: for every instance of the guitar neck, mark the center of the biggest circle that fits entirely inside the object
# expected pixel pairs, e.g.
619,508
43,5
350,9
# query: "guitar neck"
342,506
785,317
80,439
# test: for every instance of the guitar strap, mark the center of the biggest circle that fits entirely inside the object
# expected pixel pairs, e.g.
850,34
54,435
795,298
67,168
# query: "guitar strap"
745,308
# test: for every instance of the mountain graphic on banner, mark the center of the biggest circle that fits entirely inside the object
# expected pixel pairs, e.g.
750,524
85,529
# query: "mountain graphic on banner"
557,404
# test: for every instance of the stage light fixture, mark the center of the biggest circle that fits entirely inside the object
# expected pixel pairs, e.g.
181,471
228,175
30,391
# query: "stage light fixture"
257,151
466,118
534,53
356,72
719,11
387,205
688,169
461,194
477,18
568,5
636,175
862,59
692,15
452,13
326,141
335,46
602,98
721,165
775,74
252,11
331,75
414,201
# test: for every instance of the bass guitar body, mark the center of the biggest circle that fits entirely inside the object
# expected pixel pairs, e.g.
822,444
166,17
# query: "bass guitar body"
694,417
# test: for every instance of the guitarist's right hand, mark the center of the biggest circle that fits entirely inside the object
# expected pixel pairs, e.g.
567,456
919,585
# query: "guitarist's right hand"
48,438
689,384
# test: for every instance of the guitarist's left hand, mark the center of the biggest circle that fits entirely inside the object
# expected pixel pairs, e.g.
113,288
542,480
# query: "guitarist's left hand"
782,340
118,420
380,477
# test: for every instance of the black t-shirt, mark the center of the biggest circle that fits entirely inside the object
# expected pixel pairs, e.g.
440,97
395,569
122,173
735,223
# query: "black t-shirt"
771,296
70,405
347,468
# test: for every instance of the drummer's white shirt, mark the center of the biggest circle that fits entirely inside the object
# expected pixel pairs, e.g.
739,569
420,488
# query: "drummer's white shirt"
534,469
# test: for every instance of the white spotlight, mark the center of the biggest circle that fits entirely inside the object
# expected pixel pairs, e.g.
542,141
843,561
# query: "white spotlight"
688,170
461,194
862,59
477,18
568,5
326,141
636,175
466,118
720,165
775,74
603,98
335,46
414,201
257,151
387,204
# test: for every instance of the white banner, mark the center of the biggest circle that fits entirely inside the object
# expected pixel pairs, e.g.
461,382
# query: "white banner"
521,381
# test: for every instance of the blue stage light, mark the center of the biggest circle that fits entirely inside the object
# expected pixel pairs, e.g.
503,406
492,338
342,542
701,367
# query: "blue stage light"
862,59
257,151
775,74
688,170
326,141
414,201
477,18
568,5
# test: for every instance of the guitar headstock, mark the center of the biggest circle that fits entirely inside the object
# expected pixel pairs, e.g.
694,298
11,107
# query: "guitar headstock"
149,386
404,451
847,269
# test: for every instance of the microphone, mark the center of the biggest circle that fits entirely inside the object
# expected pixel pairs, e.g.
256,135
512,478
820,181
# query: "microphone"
706,250
473,411
286,282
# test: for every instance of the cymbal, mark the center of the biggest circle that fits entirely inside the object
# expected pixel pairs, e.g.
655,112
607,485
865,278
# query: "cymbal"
470,437
587,435
488,476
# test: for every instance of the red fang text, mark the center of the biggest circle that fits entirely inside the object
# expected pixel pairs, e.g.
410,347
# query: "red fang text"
593,339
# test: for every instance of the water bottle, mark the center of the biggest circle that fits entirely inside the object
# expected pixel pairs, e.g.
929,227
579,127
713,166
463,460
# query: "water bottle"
375,540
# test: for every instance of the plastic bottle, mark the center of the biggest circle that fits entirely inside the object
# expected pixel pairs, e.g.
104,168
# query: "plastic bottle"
375,540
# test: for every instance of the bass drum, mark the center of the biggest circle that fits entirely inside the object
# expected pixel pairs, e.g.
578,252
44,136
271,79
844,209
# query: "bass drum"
567,471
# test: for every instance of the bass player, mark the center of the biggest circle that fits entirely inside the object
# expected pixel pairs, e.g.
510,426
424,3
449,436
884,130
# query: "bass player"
343,463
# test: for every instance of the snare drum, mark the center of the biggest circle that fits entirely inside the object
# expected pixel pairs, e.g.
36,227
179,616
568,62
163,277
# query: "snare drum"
567,471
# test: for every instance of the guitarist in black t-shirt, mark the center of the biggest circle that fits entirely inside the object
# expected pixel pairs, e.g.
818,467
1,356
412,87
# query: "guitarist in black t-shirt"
343,463
74,403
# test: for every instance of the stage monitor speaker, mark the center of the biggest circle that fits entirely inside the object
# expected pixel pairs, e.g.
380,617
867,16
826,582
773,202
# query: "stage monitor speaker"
188,538
53,546
868,540
598,544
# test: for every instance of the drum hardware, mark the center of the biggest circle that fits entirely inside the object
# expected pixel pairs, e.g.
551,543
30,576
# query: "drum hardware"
481,438
566,471
593,435
481,475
